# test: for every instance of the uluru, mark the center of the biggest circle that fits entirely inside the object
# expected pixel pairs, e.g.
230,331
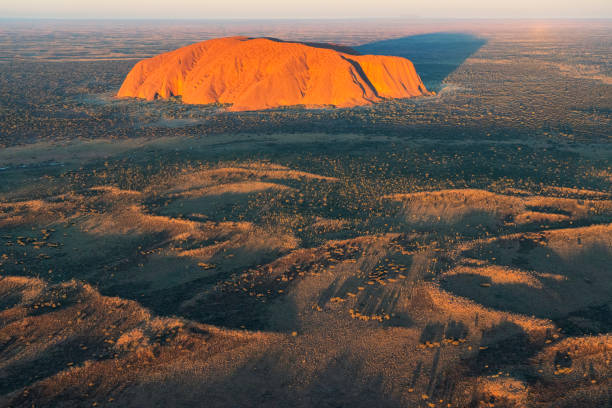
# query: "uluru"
264,73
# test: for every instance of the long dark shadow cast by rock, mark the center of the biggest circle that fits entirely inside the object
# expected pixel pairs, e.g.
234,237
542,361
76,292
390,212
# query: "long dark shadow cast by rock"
435,56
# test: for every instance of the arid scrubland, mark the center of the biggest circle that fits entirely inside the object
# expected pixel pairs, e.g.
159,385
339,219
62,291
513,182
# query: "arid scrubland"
454,251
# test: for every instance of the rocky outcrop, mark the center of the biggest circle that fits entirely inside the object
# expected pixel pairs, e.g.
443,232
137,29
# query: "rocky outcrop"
264,73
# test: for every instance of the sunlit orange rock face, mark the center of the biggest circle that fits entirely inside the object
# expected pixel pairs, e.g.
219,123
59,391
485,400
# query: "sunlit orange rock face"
263,73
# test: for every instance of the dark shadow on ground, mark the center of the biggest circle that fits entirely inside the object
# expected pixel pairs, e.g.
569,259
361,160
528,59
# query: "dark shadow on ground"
435,56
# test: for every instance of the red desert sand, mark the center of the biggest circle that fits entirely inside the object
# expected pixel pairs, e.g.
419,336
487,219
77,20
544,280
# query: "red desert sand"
263,73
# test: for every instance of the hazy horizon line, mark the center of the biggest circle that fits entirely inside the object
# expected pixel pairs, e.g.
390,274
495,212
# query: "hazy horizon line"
296,18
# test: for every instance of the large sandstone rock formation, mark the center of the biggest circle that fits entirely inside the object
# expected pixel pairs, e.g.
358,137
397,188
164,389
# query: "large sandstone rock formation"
263,73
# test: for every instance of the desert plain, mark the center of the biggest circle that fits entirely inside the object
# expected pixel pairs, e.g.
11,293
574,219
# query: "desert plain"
448,250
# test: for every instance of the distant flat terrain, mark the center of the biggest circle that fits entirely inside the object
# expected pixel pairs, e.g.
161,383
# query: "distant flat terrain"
449,251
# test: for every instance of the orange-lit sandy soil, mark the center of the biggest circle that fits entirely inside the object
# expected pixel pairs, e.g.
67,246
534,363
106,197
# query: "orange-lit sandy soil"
444,251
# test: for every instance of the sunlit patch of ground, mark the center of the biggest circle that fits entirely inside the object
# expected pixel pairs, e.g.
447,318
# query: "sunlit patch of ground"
84,346
469,209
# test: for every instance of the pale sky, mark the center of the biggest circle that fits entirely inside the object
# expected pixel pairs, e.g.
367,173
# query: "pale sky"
215,9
